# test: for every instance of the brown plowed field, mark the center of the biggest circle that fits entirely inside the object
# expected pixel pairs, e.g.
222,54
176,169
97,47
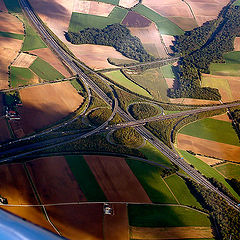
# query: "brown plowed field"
95,56
94,8
24,60
186,24
54,180
191,101
205,10
116,179
128,3
223,117
45,104
3,6
150,37
17,189
208,148
9,23
170,233
47,55
4,132
9,48
169,82
78,221
56,14
134,19
116,226
237,44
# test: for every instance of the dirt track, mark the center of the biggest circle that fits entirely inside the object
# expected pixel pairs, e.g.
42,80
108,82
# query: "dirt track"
54,180
116,179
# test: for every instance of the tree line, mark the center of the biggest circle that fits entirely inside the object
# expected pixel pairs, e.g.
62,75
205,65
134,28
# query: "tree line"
200,47
115,35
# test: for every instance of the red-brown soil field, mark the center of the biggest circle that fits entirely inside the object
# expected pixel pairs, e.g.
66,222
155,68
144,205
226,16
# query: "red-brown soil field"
145,233
2,6
77,222
9,48
54,180
17,189
208,148
47,55
134,19
4,131
45,104
116,179
9,23
116,226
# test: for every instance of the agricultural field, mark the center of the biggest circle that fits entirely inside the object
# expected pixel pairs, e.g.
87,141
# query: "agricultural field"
120,79
3,7
232,57
151,180
12,6
229,170
39,110
24,60
155,84
116,179
237,44
225,69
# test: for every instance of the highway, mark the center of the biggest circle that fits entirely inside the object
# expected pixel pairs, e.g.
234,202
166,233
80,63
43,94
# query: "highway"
143,131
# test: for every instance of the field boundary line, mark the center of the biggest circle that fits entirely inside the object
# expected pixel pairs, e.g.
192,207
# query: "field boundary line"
38,198
171,191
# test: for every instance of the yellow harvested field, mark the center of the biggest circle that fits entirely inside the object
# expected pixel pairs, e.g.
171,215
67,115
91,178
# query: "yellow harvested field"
94,8
169,8
46,104
95,56
209,161
3,6
147,233
150,37
237,44
9,49
191,101
168,41
208,148
47,55
205,10
223,117
56,14
128,3
9,23
24,60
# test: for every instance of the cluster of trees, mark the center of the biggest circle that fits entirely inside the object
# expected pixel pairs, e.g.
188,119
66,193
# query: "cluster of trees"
99,116
226,218
235,185
115,35
143,110
200,47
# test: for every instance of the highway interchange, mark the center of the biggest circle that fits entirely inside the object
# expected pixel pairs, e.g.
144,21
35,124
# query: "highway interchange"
129,120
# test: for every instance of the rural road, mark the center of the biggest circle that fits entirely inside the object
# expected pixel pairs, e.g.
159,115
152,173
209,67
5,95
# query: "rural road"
143,131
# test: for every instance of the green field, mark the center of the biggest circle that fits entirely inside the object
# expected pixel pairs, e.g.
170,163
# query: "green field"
12,35
45,71
80,21
85,178
155,155
237,3
12,6
167,71
232,57
32,39
114,2
225,69
154,81
214,130
151,180
119,78
230,170
208,171
76,85
219,83
165,216
181,191
20,76
164,25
